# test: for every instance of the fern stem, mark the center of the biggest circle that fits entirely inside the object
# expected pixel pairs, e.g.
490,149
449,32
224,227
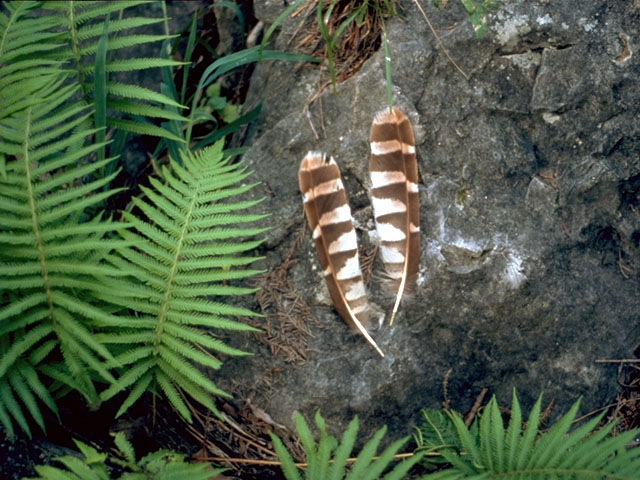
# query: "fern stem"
162,315
34,214
75,48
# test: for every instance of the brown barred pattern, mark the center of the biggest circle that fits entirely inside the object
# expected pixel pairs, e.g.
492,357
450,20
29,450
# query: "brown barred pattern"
329,216
394,178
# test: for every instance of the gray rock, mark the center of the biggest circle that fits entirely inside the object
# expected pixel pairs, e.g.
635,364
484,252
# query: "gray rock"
529,210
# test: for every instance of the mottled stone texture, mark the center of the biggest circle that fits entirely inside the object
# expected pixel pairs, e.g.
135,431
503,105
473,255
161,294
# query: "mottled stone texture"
529,191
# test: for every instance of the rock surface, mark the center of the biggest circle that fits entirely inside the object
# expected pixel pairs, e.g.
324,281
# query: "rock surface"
530,181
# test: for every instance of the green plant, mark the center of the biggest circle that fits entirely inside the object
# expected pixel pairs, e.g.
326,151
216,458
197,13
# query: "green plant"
374,11
158,465
81,306
487,451
185,252
476,10
328,459
206,96
51,243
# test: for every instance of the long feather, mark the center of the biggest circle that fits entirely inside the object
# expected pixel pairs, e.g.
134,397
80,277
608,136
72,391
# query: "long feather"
394,178
329,216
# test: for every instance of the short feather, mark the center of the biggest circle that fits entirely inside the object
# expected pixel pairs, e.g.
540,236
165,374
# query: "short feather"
329,216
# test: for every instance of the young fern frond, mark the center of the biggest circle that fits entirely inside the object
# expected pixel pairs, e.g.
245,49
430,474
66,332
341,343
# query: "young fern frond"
182,257
158,465
329,459
486,450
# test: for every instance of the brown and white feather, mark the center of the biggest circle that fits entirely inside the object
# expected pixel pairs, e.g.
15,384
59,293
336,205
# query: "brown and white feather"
329,216
394,178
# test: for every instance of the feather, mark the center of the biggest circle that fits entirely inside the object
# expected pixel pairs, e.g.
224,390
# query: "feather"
394,184
329,216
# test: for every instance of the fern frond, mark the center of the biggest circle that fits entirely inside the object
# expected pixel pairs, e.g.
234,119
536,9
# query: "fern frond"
175,284
141,128
327,459
558,454
90,464
87,33
50,247
23,382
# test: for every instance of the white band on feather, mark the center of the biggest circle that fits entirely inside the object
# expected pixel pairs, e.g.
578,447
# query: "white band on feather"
383,148
350,269
391,255
356,291
382,179
386,206
345,242
389,233
337,215
406,148
325,188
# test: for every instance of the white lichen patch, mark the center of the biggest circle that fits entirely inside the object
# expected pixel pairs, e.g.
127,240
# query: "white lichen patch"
550,118
586,25
508,30
544,20
514,271
322,296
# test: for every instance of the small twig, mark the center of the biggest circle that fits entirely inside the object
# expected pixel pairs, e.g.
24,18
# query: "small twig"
276,463
474,409
437,37
547,411
598,410
622,360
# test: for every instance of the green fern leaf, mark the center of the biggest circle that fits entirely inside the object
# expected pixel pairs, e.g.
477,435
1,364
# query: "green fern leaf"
526,443
308,444
141,386
288,466
558,454
343,451
125,447
8,401
50,248
383,461
142,128
173,258
553,441
127,40
327,459
401,469
170,391
26,396
140,93
513,433
366,455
